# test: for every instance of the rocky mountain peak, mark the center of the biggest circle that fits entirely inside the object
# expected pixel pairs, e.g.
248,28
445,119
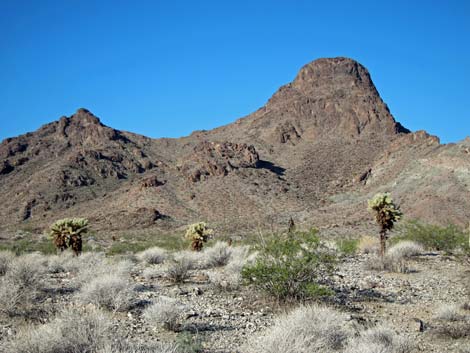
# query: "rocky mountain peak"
332,75
85,117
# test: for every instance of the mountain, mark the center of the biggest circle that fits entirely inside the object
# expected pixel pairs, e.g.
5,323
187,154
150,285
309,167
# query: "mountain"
315,152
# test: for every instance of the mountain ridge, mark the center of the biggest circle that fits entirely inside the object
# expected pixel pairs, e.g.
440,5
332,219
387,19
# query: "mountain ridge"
327,133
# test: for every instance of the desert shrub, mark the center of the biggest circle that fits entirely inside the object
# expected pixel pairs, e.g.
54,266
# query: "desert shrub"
449,313
198,234
150,273
73,331
396,257
109,291
307,329
434,237
217,255
27,271
64,262
225,280
178,270
165,311
189,343
194,259
153,256
92,265
288,266
347,246
121,346
22,284
11,297
379,339
6,258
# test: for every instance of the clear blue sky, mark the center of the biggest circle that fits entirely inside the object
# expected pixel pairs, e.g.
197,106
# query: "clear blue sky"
165,68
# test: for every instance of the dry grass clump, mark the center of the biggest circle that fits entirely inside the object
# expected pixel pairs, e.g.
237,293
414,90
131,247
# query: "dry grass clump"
73,331
405,249
164,311
111,291
307,329
368,245
21,284
229,278
6,258
311,329
153,256
449,313
63,262
217,255
96,265
396,258
178,270
241,256
452,322
135,347
11,297
226,280
27,271
379,339
150,273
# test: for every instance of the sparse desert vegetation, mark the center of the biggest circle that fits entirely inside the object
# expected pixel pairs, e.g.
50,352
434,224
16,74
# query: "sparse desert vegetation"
290,292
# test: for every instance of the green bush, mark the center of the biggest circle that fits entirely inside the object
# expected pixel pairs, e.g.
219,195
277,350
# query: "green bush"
347,246
288,266
434,237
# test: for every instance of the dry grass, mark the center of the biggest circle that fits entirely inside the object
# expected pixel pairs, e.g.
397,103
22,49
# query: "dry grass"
111,291
6,258
396,258
217,255
73,331
307,329
449,312
368,245
178,270
164,311
153,256
136,347
379,339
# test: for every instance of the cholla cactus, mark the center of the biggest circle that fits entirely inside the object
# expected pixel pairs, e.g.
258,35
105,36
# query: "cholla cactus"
68,232
386,214
198,233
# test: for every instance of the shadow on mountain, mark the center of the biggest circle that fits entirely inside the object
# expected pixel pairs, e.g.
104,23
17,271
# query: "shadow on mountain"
271,167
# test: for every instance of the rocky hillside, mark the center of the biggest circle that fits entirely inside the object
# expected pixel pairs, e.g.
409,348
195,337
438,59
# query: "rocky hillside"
315,152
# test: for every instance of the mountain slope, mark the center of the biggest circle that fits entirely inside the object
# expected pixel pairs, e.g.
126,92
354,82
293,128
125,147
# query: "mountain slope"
318,148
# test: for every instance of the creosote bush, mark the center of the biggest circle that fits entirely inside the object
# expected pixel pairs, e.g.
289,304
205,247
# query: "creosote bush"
289,266
434,237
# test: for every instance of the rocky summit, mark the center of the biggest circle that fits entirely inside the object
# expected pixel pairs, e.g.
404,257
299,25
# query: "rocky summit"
314,152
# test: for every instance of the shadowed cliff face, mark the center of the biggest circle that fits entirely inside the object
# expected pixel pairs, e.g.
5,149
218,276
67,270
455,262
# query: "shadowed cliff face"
319,147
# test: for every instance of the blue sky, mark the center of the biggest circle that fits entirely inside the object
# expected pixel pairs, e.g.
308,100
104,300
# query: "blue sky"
166,68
